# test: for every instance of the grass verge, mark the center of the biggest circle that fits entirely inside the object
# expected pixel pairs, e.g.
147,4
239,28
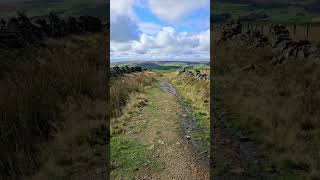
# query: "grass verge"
128,156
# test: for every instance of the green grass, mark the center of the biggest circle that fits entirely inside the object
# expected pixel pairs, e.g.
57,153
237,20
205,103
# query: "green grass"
201,66
121,89
179,64
128,156
203,123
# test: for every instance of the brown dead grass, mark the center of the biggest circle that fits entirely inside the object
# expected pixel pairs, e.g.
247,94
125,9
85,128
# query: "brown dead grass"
276,105
36,86
121,88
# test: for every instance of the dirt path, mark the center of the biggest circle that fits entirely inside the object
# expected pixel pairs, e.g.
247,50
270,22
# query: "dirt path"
190,127
160,130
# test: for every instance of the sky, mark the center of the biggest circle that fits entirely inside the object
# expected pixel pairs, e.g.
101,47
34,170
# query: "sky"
159,30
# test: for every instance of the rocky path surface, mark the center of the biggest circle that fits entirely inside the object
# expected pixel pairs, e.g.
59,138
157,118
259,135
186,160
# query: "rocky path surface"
161,132
189,126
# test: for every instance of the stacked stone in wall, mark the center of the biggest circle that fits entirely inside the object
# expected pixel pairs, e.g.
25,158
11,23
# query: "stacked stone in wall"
121,71
20,31
253,39
230,31
250,38
197,74
283,47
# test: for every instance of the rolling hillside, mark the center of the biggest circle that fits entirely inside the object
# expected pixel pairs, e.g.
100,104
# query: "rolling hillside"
36,8
298,12
163,65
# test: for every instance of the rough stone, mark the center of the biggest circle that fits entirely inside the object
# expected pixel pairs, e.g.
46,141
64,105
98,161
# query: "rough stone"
197,75
120,71
282,46
20,31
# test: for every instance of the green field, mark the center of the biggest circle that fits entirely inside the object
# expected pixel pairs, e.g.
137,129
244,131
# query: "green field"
164,65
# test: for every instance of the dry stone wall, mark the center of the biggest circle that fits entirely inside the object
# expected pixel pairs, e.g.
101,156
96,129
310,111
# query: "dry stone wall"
18,32
283,47
197,74
120,71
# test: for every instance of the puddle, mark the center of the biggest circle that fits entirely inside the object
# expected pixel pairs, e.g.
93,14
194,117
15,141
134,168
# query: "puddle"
190,127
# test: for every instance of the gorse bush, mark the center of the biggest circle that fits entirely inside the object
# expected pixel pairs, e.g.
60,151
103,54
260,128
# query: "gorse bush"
34,87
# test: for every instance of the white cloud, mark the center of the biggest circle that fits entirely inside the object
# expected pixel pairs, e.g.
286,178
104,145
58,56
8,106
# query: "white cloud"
133,39
174,10
116,46
166,37
123,25
123,29
204,41
122,8
149,28
165,44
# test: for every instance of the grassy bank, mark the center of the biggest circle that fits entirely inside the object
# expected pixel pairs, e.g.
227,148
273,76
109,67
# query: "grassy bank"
122,88
197,94
128,155
42,88
275,105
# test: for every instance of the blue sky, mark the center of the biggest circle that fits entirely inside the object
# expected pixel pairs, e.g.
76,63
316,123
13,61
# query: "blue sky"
160,30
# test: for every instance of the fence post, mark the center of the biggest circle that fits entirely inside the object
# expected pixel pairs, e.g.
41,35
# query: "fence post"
308,31
270,27
242,27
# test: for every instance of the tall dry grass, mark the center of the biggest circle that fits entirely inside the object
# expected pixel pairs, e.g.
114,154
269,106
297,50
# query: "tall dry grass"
276,105
35,86
121,88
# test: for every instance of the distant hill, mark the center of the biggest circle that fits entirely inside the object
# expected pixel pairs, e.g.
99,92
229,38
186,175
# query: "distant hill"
164,65
38,8
270,11
272,2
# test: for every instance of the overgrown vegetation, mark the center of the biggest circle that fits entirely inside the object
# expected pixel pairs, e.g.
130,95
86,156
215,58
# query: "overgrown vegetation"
122,88
278,106
49,118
